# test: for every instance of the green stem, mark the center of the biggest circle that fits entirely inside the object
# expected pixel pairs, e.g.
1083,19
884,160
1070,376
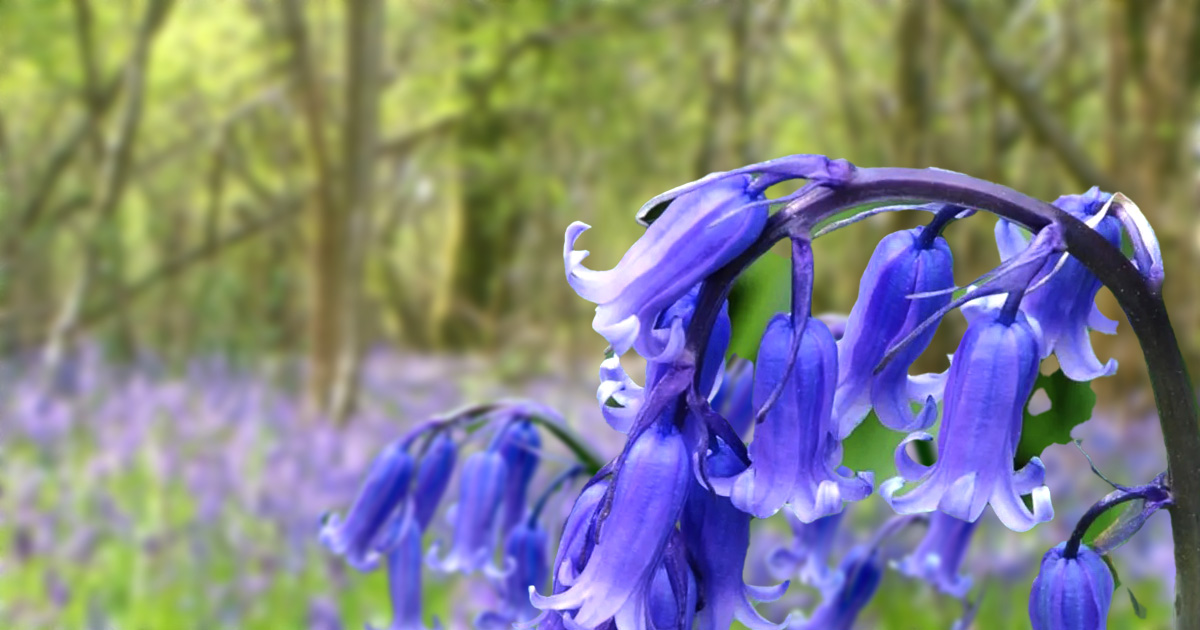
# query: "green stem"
591,461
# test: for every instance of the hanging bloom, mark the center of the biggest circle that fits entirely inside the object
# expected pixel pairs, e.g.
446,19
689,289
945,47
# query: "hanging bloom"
382,492
404,574
734,400
1065,306
697,233
795,454
904,263
481,494
718,536
940,554
433,475
518,443
525,567
578,536
863,571
1071,593
812,543
648,492
664,603
621,398
991,377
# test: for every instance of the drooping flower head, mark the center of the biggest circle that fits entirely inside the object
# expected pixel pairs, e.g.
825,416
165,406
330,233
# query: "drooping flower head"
382,492
1071,593
1065,305
647,495
940,554
433,476
991,377
795,454
481,494
904,264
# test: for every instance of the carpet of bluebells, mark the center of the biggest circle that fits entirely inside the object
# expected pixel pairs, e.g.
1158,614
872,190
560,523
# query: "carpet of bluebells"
135,496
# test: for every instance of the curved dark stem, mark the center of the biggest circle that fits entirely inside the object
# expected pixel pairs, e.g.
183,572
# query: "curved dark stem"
1142,303
558,483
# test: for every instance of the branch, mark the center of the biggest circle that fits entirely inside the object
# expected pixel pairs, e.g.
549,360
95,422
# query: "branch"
1034,110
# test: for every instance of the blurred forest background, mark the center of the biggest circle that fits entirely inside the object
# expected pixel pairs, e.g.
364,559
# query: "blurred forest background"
293,180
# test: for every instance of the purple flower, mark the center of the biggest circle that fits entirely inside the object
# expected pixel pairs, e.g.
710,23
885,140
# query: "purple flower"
1065,306
812,544
1071,593
734,400
382,492
940,554
795,454
698,232
664,603
578,536
433,475
518,443
717,535
404,575
481,493
525,567
648,492
904,263
863,571
991,378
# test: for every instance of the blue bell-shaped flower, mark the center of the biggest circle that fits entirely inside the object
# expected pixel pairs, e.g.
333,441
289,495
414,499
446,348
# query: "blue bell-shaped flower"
734,400
481,495
404,574
648,492
991,377
698,232
795,453
524,567
937,559
1071,593
1065,305
904,263
519,444
433,476
382,492
808,555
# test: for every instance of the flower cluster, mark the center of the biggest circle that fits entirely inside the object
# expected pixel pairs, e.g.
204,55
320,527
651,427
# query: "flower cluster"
658,537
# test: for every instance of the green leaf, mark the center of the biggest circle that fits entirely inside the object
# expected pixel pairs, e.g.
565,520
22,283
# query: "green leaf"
1071,404
1138,609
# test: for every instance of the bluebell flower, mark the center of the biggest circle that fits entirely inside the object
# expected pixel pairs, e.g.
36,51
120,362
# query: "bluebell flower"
1071,593
1065,306
404,574
795,453
862,569
648,492
481,495
717,535
697,233
664,603
808,555
734,399
904,263
578,536
525,567
940,554
433,476
621,398
384,489
519,444
991,377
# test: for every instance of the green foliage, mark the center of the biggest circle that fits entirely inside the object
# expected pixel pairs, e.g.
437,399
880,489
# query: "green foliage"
1071,404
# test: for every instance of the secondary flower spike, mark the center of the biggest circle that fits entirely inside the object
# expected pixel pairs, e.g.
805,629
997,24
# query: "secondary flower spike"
1065,306
698,232
991,377
382,492
904,263
647,496
1071,593
795,453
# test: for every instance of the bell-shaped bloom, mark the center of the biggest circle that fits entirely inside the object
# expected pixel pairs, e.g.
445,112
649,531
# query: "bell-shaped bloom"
524,567
1071,593
578,535
1065,305
940,554
519,444
664,602
383,491
621,398
904,263
863,571
697,233
649,489
717,535
991,377
808,555
734,400
795,453
481,495
433,476
404,574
